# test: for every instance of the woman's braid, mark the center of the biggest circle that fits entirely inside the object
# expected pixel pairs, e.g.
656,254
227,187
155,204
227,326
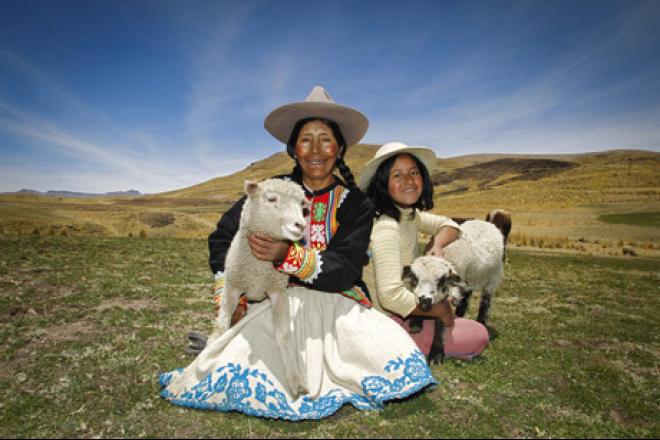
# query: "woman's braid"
345,172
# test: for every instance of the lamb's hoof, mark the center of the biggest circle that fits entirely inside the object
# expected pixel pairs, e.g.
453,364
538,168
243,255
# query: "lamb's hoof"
437,359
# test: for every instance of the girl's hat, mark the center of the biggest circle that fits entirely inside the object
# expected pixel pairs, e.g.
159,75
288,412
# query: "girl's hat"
425,155
318,104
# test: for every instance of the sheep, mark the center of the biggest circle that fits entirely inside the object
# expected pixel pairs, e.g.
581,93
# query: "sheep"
472,262
502,220
275,207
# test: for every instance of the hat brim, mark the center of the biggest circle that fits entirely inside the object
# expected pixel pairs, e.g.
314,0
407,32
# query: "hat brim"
352,123
425,155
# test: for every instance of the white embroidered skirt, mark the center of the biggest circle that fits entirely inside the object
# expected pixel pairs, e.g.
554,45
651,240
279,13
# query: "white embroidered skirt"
346,353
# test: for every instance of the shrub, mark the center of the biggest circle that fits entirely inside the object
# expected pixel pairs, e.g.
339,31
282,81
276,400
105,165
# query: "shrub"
157,219
93,228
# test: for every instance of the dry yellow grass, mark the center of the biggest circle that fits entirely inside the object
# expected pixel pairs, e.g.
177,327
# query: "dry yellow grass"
556,208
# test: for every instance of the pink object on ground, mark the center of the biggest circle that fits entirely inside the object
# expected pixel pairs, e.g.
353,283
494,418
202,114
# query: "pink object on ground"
465,340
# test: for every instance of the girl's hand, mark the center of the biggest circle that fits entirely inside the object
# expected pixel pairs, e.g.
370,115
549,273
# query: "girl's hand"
446,236
265,248
442,311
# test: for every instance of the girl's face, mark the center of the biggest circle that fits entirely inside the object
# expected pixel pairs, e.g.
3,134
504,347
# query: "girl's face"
316,151
405,181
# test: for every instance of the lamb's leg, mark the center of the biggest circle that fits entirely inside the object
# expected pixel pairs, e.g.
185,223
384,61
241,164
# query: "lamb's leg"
228,303
282,325
464,303
437,353
484,306
415,324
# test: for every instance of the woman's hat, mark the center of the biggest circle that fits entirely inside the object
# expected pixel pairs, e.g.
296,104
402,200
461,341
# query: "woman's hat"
318,104
425,155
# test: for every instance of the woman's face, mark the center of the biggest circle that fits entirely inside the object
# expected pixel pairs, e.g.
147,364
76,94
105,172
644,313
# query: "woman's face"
316,151
405,183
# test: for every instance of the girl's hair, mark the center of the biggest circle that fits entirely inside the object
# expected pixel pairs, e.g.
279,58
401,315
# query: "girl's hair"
344,170
380,196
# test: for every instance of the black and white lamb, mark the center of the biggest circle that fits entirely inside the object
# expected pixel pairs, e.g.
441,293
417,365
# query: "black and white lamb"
472,262
274,207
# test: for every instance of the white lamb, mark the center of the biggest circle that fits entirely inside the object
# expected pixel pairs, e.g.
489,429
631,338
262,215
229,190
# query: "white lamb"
473,262
274,207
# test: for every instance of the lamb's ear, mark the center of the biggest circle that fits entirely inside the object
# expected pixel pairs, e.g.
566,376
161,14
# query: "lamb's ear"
442,282
407,272
456,280
251,188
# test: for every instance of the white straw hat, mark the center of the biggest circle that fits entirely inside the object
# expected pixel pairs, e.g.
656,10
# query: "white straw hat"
318,104
425,155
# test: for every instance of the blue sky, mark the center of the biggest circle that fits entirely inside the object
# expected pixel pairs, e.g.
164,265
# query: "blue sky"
157,95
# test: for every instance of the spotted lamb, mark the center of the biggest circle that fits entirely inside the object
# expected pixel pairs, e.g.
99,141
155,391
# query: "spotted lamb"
472,262
274,207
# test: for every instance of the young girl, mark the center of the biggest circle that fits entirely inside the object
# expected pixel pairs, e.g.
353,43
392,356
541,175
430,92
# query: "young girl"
398,183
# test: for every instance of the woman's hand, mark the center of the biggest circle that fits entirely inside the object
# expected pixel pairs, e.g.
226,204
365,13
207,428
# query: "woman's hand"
239,314
265,248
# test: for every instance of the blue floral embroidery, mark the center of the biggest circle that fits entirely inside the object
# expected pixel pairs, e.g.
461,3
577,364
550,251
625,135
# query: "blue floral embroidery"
260,393
233,388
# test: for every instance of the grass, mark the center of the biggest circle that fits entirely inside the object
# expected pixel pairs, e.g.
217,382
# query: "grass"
88,323
633,218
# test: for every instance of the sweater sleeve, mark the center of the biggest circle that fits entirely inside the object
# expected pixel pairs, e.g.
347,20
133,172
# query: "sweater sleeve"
339,266
393,296
220,239
430,224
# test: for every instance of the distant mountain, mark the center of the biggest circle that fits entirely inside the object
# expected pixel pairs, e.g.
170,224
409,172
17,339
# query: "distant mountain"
73,194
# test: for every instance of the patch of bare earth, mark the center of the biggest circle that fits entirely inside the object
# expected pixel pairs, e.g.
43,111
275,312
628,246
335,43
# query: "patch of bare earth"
134,305
46,337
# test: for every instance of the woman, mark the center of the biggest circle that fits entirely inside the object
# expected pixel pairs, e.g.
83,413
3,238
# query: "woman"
398,183
347,351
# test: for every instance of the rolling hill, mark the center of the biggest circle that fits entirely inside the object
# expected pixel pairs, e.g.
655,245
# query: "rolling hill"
551,197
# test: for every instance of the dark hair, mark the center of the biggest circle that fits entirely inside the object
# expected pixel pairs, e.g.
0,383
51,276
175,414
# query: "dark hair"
380,196
344,170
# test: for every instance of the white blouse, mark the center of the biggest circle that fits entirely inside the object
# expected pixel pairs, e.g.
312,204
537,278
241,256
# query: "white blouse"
394,245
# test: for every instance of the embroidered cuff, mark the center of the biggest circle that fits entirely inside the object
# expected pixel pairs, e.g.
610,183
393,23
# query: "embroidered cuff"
217,299
219,287
218,283
301,262
357,294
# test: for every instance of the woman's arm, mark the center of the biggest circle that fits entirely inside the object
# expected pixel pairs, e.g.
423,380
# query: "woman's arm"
220,239
339,266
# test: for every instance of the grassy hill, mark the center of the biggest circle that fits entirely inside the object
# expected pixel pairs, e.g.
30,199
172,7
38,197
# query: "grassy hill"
557,201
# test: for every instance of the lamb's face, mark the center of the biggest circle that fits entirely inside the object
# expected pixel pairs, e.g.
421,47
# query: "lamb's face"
288,212
278,208
432,280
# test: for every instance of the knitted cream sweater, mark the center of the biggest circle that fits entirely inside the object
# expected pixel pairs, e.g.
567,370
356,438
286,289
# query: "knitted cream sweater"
394,245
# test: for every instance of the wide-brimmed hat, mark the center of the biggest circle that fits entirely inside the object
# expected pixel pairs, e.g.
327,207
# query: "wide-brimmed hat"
318,104
425,155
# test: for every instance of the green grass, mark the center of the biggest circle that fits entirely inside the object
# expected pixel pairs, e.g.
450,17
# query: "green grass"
633,218
86,325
